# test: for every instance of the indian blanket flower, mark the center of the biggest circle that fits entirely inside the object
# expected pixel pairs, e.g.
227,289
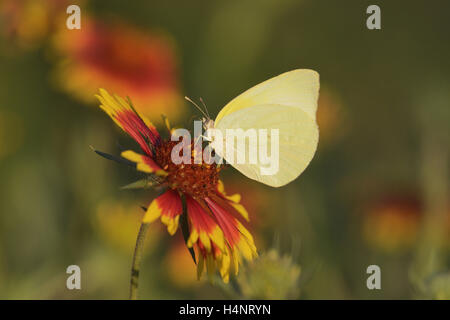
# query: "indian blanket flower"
215,231
124,59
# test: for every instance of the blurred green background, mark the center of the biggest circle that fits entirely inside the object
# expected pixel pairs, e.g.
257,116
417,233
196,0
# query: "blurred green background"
375,193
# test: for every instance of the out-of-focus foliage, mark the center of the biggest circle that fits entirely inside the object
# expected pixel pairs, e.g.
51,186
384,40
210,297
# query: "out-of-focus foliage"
271,276
439,287
376,191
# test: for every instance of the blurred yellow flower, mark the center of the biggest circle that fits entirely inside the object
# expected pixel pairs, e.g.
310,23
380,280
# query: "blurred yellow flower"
27,22
122,59
178,258
330,116
118,223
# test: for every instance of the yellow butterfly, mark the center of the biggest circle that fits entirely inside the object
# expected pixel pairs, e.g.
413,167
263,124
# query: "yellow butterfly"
287,102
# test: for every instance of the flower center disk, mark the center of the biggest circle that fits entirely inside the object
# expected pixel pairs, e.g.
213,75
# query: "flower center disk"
197,180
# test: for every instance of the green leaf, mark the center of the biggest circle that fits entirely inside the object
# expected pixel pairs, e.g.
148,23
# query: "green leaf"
140,184
114,158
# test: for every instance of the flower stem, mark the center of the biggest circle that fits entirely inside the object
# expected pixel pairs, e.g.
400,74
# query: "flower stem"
136,264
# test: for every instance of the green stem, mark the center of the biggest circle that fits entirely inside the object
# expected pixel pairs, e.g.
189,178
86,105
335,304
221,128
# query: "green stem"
136,264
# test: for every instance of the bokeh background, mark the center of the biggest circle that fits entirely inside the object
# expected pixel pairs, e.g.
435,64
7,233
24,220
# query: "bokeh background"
375,193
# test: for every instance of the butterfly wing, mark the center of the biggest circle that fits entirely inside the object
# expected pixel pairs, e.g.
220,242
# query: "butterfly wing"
288,103
297,88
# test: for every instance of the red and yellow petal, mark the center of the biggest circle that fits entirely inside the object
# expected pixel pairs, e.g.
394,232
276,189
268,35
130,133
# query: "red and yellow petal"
143,163
233,200
223,264
168,206
237,236
204,229
214,260
124,115
238,242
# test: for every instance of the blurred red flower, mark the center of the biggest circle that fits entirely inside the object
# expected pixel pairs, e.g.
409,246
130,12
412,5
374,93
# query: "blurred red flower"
123,59
393,222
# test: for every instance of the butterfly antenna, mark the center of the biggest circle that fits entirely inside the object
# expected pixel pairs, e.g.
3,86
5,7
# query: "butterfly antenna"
204,105
196,105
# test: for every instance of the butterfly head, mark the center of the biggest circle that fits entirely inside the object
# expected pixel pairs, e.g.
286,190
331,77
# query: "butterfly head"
208,123
206,120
